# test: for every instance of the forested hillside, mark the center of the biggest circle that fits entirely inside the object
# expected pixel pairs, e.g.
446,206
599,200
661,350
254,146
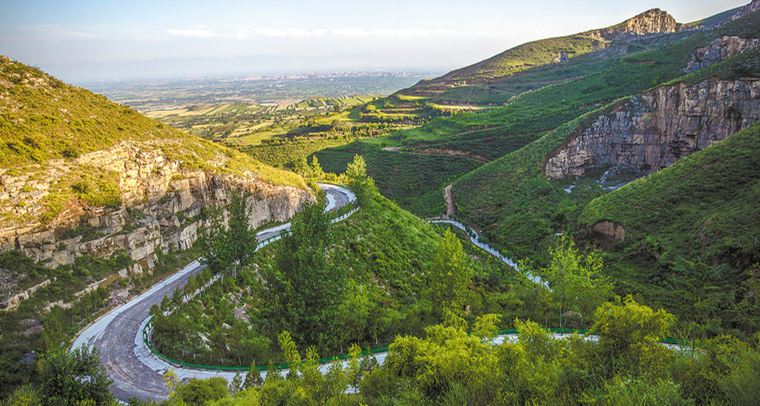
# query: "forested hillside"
617,167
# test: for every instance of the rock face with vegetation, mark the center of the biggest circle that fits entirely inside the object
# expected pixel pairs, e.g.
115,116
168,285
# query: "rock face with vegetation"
654,21
719,50
654,130
162,209
80,175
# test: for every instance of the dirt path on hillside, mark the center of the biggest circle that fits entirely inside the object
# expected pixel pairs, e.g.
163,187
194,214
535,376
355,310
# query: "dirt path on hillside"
443,152
451,152
450,208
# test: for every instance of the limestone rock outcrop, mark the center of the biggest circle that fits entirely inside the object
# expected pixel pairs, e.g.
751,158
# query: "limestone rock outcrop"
162,203
719,50
654,21
753,6
657,128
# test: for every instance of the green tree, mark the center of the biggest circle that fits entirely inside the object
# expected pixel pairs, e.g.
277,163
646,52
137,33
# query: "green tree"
356,179
576,279
448,275
200,391
191,286
311,286
629,338
230,241
314,171
696,285
25,395
71,378
253,378
54,334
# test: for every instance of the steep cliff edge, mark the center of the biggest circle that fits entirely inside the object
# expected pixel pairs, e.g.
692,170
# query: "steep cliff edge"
703,207
80,175
654,130
162,203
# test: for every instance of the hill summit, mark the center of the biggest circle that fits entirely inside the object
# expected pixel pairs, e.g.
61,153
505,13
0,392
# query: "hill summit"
514,70
654,21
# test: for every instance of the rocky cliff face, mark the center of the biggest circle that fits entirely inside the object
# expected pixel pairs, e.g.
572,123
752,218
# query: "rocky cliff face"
655,129
719,50
162,204
753,6
654,21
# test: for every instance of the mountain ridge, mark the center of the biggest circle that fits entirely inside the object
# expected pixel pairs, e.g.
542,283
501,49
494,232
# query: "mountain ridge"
548,51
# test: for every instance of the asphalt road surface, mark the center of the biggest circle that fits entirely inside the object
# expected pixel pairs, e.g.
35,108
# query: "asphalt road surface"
136,372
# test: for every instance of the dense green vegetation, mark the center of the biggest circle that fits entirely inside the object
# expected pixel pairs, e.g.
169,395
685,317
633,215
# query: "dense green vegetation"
305,284
385,253
703,207
280,153
413,181
626,365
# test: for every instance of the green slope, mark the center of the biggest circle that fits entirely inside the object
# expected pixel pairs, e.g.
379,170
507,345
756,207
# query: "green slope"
548,61
43,118
45,125
704,206
413,181
511,199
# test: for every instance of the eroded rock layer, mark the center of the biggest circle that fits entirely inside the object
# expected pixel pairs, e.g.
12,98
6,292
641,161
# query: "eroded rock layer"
162,203
657,128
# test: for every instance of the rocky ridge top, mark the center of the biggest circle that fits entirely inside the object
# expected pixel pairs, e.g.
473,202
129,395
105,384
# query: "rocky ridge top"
654,21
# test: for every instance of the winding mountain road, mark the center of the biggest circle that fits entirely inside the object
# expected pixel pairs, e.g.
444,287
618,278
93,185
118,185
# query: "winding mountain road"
118,335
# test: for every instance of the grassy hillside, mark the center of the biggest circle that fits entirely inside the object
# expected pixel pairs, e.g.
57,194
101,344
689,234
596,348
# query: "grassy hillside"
544,62
527,56
413,181
511,199
705,206
44,118
46,125
387,252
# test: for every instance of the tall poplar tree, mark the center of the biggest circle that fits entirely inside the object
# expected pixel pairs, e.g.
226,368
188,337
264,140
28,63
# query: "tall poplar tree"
230,240
448,275
311,286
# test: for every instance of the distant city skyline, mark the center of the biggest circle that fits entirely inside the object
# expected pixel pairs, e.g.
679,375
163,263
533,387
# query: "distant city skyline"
81,41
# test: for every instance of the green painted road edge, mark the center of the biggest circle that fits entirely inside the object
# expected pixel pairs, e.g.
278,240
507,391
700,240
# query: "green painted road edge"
278,367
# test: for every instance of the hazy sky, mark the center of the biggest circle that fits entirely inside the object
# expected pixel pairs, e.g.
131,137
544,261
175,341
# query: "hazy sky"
368,34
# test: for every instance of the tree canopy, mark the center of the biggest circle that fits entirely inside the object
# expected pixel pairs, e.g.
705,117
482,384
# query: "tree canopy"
230,240
448,276
311,287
